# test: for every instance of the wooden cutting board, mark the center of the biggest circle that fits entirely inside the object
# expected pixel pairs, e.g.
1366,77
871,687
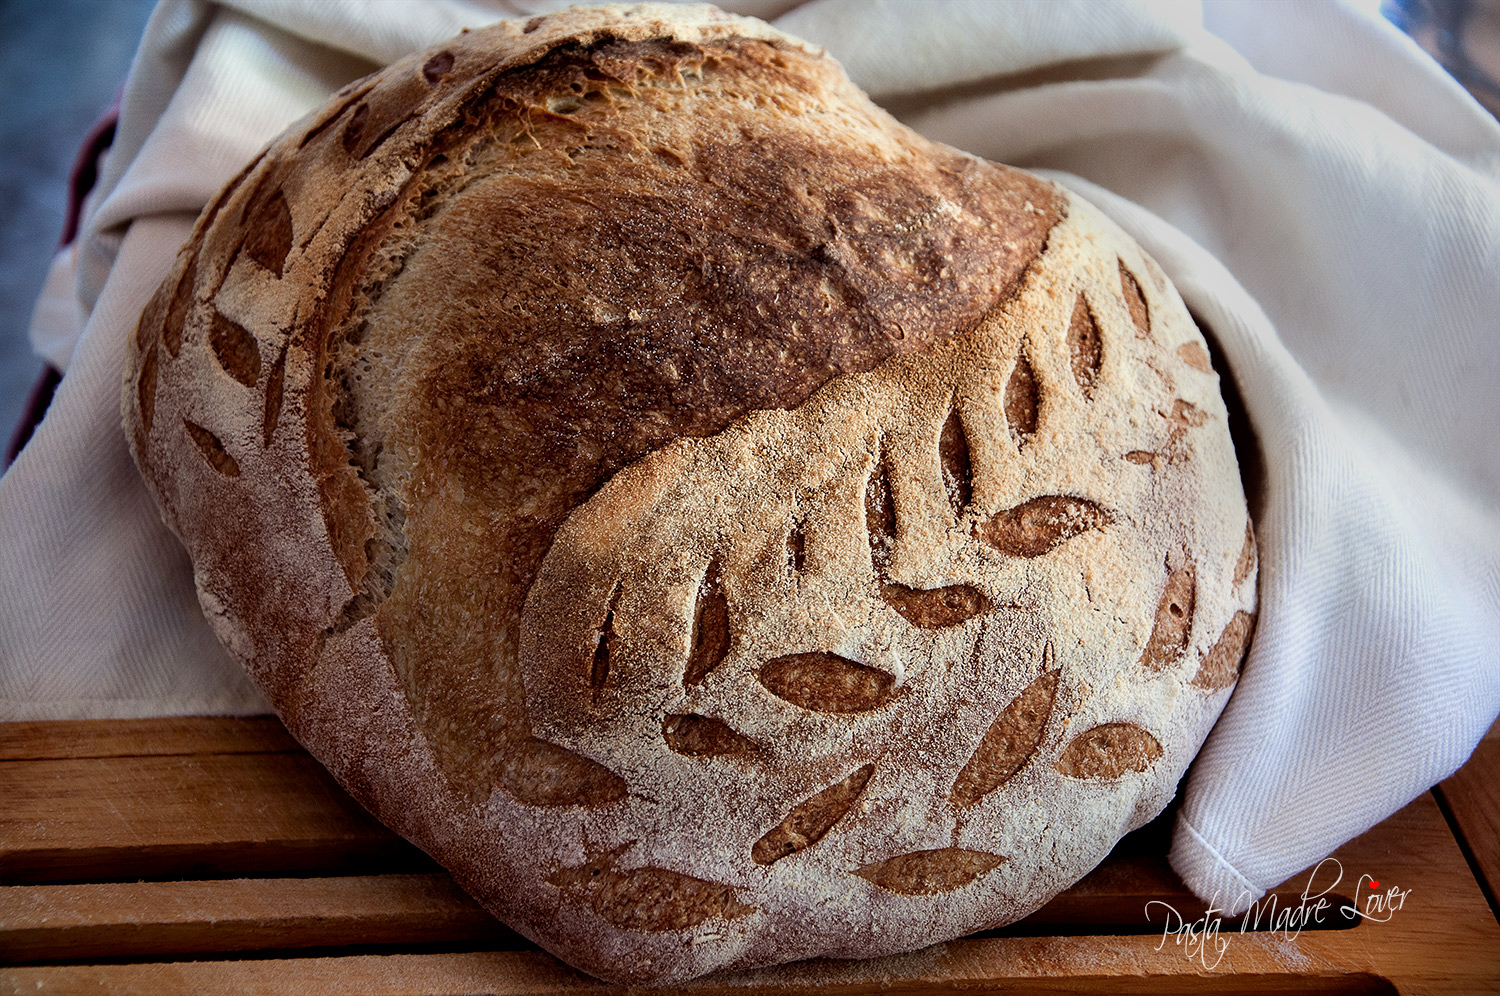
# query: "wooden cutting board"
215,856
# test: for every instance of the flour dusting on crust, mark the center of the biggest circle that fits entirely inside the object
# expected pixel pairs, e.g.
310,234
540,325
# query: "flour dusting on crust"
718,524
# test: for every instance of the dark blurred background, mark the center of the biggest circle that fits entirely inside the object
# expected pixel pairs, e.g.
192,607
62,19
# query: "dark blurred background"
62,61
1463,35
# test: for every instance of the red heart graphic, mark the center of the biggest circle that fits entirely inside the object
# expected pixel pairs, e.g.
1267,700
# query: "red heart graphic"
1374,884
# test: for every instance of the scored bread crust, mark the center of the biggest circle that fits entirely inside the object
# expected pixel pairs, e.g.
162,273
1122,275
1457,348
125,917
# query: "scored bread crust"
718,524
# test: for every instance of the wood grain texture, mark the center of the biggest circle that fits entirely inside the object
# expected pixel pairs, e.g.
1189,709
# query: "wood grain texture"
139,737
183,816
138,919
1472,797
537,974
1091,939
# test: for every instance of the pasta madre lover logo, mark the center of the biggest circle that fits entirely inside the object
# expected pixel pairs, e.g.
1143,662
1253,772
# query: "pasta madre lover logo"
1204,940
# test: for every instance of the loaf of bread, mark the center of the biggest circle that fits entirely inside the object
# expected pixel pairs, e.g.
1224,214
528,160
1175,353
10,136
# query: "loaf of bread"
718,524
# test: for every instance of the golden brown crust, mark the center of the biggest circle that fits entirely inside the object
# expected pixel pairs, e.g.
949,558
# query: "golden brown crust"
738,262
687,502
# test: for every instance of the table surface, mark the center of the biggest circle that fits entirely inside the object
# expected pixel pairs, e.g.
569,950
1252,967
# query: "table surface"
214,855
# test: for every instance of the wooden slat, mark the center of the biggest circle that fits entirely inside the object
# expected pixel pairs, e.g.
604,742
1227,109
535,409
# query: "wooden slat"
119,817
187,816
210,816
140,919
1112,898
137,737
240,808
1005,966
1472,796
1437,950
1441,941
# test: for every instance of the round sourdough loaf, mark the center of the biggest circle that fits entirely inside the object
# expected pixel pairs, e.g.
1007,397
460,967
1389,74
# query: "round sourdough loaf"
718,524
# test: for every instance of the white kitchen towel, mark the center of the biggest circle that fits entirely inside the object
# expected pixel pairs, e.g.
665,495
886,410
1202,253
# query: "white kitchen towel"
1326,199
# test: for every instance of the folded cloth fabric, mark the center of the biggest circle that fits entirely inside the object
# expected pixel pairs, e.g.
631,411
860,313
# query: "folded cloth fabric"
1325,198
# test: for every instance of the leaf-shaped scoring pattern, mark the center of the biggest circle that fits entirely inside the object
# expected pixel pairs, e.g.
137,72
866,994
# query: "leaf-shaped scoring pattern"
1135,301
648,899
1186,414
1084,346
437,67
936,608
1174,619
704,736
1246,563
710,630
354,129
599,668
826,682
796,548
880,516
1195,356
812,819
213,451
1039,525
268,236
154,314
1109,751
927,873
1221,665
146,388
275,385
1022,399
953,457
385,109
1010,742
539,773
177,308
235,349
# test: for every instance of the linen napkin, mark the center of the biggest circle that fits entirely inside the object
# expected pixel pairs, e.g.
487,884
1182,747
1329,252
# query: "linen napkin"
1324,197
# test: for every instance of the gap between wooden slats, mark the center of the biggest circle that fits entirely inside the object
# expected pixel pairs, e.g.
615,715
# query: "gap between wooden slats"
43,923
234,810
1471,804
186,816
136,919
1443,942
143,919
